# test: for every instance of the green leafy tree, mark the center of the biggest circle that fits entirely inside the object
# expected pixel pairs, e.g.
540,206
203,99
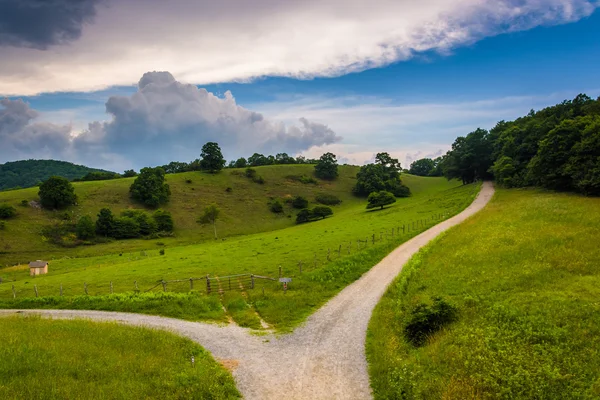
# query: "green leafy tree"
164,220
321,212
299,202
148,225
210,216
105,224
7,211
584,164
149,188
470,157
327,167
422,167
211,158
240,163
126,228
57,192
504,171
380,199
256,160
129,173
303,216
85,229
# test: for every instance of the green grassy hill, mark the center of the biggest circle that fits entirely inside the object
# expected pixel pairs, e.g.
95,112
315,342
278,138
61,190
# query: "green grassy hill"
254,240
524,274
244,209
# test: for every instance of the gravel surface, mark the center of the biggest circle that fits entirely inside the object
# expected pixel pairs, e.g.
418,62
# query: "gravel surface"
323,359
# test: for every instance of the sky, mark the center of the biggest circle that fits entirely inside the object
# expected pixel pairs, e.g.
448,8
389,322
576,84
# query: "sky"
133,83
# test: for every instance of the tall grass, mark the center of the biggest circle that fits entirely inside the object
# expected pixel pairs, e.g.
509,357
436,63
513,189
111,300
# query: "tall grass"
525,276
45,359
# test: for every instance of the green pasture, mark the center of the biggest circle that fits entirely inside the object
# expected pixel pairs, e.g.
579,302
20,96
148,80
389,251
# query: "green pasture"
259,254
524,274
59,359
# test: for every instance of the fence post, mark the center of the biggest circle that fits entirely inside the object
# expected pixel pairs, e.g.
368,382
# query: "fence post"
328,254
340,250
315,262
229,283
61,292
252,280
207,284
300,266
36,292
191,284
279,272
85,287
14,292
373,238
111,287
164,284
135,285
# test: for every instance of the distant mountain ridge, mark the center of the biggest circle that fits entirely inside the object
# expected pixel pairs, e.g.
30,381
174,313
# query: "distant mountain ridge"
28,173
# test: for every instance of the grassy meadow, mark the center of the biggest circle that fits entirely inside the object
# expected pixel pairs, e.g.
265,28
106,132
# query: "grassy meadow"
258,253
524,275
62,359
244,209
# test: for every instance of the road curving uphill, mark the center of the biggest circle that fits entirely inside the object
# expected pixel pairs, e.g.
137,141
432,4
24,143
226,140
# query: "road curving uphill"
322,359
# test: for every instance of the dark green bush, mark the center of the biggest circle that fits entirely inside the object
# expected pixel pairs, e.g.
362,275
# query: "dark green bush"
425,320
250,172
126,228
276,206
299,202
24,203
259,179
2,225
164,220
7,211
327,199
302,179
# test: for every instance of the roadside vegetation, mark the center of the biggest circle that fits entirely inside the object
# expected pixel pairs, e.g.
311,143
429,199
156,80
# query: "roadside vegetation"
327,251
59,359
503,306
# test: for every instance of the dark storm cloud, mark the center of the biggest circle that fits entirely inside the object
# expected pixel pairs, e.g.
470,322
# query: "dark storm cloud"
41,23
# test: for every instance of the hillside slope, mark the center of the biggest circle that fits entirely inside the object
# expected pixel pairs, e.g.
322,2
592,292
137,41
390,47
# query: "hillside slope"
28,173
524,276
244,209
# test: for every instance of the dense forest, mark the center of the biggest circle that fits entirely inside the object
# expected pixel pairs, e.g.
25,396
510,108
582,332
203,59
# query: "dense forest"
29,173
556,148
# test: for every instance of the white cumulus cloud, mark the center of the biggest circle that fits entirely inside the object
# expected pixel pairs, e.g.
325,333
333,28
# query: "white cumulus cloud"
206,41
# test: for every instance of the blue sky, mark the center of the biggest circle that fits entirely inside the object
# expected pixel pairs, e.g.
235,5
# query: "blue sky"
412,107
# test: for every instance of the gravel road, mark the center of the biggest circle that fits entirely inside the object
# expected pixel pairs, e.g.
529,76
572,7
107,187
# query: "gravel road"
323,359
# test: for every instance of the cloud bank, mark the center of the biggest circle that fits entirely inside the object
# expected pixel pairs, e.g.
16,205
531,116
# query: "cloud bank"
205,41
164,121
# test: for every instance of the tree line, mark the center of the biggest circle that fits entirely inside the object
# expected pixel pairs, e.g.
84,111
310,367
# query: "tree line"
557,148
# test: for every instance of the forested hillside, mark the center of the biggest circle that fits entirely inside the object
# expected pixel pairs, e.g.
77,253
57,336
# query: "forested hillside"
556,148
29,173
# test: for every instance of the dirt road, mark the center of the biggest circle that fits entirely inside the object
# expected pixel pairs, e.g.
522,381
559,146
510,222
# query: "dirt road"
324,358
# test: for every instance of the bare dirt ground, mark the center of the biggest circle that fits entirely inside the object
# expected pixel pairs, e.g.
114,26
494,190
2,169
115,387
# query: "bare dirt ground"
323,359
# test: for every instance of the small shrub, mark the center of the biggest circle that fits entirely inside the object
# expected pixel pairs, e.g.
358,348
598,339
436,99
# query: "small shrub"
86,229
229,189
259,180
327,199
299,202
2,225
425,320
24,203
302,179
188,181
321,212
276,207
164,220
7,211
161,252
250,172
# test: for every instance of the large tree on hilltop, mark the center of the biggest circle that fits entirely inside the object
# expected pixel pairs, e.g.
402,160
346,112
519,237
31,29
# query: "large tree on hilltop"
327,167
211,158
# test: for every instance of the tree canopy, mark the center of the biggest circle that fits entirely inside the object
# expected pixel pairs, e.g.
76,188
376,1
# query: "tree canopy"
423,167
211,158
327,167
384,174
57,192
380,199
149,188
557,148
